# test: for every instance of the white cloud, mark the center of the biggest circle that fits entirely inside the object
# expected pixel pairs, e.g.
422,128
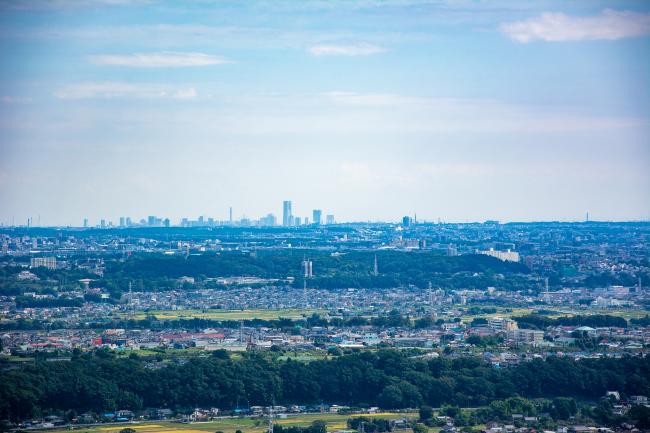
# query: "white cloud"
361,49
556,27
8,99
158,60
374,99
120,90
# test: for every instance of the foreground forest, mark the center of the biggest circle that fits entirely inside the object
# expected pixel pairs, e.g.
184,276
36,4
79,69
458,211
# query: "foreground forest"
389,379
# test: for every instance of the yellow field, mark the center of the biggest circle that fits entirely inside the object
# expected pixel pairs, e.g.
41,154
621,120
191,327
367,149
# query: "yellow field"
262,314
137,427
230,425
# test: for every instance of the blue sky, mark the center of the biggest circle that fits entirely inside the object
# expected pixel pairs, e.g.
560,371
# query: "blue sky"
368,109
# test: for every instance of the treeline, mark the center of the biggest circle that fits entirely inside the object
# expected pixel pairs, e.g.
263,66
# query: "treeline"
641,321
31,302
391,320
353,269
388,379
158,272
538,321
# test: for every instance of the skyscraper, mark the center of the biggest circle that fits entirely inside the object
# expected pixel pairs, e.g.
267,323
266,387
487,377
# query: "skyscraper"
286,213
316,216
329,219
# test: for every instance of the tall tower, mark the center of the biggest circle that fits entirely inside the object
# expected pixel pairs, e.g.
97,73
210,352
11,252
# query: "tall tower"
230,218
286,213
307,265
375,271
316,216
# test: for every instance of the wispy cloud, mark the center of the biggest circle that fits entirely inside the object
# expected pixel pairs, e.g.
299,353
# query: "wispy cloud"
158,60
8,99
120,90
68,4
359,49
373,99
556,26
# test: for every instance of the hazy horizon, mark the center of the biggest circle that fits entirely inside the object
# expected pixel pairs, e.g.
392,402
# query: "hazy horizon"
369,110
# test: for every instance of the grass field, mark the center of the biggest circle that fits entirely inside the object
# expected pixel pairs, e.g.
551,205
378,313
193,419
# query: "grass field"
230,425
560,311
500,313
263,314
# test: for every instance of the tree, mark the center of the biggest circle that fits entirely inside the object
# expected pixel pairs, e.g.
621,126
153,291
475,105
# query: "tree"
564,408
221,354
641,416
450,411
318,426
127,430
420,428
426,412
334,351
391,397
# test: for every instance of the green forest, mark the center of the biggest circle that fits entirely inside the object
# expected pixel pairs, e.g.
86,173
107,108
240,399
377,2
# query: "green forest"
389,379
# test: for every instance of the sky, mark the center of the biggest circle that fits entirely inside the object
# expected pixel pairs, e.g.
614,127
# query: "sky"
366,109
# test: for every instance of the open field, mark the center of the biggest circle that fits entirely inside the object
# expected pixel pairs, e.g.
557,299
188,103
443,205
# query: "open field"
230,425
559,312
264,314
500,313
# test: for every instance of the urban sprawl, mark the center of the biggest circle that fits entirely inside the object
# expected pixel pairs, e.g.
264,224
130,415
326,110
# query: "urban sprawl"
465,310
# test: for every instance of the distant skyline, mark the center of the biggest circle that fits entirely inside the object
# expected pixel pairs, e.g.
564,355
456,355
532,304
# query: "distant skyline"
368,110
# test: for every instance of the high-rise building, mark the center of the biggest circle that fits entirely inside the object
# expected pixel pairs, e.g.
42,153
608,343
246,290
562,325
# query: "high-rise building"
85,222
286,213
151,220
102,223
122,221
268,220
329,219
167,222
506,256
406,221
43,262
129,223
295,221
316,216
308,268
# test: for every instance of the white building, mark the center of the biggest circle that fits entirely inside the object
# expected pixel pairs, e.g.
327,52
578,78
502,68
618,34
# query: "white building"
506,256
43,262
